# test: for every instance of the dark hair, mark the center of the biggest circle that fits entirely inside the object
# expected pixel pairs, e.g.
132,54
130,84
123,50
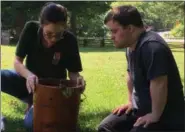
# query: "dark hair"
124,15
52,12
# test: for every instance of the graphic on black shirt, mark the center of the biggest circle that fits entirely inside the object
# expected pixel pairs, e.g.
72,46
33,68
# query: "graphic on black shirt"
56,58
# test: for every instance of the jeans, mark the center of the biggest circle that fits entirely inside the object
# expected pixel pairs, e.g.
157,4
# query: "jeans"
28,119
125,122
15,85
3,120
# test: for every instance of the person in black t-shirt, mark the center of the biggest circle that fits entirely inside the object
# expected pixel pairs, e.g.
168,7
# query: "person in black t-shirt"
155,91
50,51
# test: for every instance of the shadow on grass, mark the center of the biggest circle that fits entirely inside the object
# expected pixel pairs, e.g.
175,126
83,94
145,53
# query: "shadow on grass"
98,49
90,49
90,121
14,125
176,50
113,49
14,119
176,46
10,45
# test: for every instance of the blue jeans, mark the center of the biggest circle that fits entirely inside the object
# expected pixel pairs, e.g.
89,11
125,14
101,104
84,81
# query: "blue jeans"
15,85
125,122
28,119
3,120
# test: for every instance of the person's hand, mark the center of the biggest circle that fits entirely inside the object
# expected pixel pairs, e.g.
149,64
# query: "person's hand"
31,81
81,82
146,120
123,109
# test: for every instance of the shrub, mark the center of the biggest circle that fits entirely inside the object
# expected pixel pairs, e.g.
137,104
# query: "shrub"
178,31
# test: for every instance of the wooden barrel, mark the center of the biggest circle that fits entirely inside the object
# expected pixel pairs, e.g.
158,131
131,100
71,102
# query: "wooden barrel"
56,105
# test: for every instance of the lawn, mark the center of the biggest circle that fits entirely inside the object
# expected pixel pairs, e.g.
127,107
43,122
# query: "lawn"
104,70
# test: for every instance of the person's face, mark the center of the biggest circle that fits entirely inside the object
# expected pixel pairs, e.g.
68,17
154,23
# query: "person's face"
121,36
53,32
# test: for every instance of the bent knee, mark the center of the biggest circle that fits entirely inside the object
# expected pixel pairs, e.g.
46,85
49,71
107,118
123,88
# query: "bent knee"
107,124
104,128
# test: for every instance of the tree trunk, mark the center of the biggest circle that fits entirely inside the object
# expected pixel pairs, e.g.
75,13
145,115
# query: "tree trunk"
102,42
85,43
19,24
73,22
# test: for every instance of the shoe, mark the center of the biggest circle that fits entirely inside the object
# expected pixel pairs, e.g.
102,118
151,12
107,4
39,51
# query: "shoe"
3,120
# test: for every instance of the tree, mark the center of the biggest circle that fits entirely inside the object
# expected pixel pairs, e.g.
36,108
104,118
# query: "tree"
16,13
83,11
161,15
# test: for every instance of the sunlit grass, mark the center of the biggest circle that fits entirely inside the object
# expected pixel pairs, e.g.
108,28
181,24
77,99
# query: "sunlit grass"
104,70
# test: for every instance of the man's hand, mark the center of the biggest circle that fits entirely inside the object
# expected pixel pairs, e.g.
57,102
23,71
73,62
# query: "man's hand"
146,120
77,77
31,81
123,108
80,81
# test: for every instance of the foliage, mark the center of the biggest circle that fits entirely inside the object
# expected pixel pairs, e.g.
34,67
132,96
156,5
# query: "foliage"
161,15
83,14
86,17
93,27
178,30
12,10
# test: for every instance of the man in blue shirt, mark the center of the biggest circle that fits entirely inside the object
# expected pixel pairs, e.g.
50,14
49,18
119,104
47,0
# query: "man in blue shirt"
155,90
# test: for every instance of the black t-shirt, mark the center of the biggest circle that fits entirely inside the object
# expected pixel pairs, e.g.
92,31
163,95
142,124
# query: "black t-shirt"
153,58
48,62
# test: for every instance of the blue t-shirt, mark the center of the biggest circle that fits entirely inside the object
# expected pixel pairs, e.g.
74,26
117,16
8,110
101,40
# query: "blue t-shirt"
153,58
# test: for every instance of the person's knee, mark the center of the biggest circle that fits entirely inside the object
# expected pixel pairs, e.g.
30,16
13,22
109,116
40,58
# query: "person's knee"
5,77
108,124
11,79
6,73
101,128
104,126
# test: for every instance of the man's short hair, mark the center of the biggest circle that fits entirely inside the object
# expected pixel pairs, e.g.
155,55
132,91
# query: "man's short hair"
124,15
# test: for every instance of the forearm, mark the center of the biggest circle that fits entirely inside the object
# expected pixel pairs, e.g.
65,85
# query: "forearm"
130,87
158,91
21,69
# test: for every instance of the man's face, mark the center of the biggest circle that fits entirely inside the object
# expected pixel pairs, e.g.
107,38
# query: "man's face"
120,36
53,32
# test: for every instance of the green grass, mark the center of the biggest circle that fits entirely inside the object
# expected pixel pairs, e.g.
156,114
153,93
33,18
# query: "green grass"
104,70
